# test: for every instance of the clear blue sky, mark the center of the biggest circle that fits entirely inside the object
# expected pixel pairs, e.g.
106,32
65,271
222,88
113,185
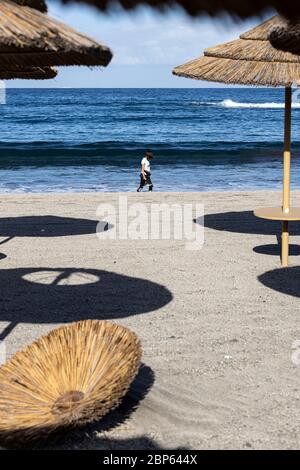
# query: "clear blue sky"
145,43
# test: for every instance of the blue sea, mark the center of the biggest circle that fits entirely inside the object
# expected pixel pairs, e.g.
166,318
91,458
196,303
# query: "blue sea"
93,139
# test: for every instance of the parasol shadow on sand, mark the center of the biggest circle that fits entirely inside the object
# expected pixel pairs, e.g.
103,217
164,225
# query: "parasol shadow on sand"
274,250
113,444
64,295
252,60
48,226
245,222
285,281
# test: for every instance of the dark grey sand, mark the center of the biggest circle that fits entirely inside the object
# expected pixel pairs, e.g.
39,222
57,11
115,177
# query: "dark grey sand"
217,325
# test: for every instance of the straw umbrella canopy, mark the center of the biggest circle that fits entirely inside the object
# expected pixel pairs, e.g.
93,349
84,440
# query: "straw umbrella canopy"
27,73
252,60
290,8
74,375
29,38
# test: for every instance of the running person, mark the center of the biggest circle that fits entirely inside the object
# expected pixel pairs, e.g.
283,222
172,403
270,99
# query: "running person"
146,172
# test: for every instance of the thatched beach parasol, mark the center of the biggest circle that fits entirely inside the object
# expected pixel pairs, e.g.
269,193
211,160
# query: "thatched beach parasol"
27,73
29,38
252,60
243,9
74,375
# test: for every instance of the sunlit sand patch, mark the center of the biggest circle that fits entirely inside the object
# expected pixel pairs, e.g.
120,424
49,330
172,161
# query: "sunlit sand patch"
61,278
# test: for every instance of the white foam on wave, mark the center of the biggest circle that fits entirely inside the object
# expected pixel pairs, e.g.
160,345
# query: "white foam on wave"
234,104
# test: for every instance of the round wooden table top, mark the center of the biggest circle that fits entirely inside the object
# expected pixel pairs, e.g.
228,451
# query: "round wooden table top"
276,213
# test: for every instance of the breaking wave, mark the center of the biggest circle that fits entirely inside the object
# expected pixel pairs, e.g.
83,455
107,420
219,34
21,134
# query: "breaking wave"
235,104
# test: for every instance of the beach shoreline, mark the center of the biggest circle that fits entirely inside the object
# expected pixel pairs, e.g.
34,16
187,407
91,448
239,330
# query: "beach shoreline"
217,325
188,130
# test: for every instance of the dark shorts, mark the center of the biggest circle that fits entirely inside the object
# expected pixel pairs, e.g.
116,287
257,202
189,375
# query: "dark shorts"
147,181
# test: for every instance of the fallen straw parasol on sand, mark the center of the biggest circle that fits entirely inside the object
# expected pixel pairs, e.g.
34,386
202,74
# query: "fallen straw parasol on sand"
30,38
74,375
252,60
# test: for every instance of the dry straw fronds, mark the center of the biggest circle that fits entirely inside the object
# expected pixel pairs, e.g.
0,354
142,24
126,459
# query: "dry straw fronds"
74,375
240,72
29,38
256,51
250,60
261,32
27,73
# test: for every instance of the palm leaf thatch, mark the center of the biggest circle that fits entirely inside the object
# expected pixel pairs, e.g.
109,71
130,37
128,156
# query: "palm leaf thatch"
27,73
289,8
74,375
29,38
250,60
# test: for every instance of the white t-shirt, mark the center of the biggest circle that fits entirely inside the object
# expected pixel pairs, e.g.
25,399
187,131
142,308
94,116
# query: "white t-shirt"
146,162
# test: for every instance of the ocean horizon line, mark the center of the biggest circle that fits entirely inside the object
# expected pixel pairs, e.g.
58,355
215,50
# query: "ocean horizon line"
225,87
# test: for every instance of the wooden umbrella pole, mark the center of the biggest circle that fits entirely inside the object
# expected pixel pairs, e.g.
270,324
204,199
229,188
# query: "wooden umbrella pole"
286,175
